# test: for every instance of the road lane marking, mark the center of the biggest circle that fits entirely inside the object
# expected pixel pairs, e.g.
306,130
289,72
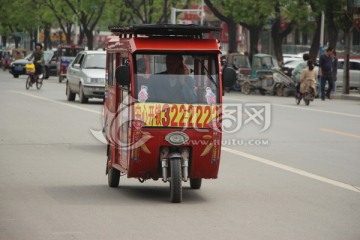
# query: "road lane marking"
58,102
236,152
340,133
293,170
305,108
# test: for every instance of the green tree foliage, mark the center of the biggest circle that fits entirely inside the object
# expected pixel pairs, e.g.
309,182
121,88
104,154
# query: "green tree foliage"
88,14
30,15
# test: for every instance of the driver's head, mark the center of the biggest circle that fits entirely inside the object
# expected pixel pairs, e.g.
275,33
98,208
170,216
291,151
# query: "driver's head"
38,46
306,56
141,65
174,64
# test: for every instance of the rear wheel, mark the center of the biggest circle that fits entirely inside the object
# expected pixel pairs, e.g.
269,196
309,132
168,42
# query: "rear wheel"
286,92
246,88
279,91
195,183
16,75
70,96
28,80
60,78
175,182
83,98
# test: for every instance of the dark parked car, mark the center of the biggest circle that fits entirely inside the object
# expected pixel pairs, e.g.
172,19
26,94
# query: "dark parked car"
17,67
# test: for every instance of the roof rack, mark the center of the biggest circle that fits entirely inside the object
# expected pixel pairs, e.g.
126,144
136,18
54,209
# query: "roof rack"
181,30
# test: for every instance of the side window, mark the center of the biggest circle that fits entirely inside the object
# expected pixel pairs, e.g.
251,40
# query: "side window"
112,64
81,60
340,65
77,59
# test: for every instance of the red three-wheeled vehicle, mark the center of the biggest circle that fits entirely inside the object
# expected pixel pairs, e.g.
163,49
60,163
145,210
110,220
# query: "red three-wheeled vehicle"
162,108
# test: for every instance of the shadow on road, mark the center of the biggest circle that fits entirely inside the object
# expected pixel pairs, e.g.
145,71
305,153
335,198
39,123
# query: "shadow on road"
124,195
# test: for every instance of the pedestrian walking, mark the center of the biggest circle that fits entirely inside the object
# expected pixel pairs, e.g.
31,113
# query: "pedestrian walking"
325,64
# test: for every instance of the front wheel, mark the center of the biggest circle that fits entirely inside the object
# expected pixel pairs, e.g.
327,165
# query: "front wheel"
237,86
113,174
83,98
28,82
306,99
297,98
39,83
176,180
70,96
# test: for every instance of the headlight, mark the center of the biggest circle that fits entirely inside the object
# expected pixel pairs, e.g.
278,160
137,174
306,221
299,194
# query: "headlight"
177,138
95,80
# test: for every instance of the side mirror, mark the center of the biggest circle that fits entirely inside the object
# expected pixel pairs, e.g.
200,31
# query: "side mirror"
122,75
76,65
228,77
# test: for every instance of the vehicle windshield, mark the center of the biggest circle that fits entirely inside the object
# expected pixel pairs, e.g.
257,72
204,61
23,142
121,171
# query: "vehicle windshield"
95,61
172,78
69,52
265,62
240,61
48,56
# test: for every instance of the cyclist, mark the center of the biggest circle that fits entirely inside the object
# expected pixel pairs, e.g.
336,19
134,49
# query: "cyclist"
38,59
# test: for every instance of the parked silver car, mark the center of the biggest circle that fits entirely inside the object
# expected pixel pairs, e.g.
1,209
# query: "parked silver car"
86,76
354,73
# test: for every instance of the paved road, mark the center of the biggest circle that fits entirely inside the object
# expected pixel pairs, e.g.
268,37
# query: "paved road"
299,179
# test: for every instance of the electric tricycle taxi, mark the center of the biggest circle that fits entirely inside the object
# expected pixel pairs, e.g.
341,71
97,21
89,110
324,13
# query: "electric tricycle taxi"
65,54
162,107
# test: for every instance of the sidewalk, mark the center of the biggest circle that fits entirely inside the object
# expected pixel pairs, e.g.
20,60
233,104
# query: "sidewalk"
353,95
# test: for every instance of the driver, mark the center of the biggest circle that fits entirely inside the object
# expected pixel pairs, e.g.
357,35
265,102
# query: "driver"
174,88
38,58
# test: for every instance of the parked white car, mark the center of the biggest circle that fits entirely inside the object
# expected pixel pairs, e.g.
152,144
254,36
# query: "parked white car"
354,73
86,76
288,58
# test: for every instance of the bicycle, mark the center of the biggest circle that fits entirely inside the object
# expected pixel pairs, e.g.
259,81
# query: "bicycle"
33,77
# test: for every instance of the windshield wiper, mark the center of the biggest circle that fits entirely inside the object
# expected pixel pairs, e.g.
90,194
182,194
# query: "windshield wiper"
210,77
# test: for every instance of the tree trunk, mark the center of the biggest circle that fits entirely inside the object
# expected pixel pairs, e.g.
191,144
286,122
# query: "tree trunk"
315,45
278,34
254,32
331,28
232,33
81,37
47,38
232,29
3,40
90,39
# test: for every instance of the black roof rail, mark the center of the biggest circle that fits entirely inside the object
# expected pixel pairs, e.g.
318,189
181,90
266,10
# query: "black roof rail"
163,30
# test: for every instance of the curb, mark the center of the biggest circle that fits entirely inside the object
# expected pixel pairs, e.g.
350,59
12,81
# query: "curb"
346,97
